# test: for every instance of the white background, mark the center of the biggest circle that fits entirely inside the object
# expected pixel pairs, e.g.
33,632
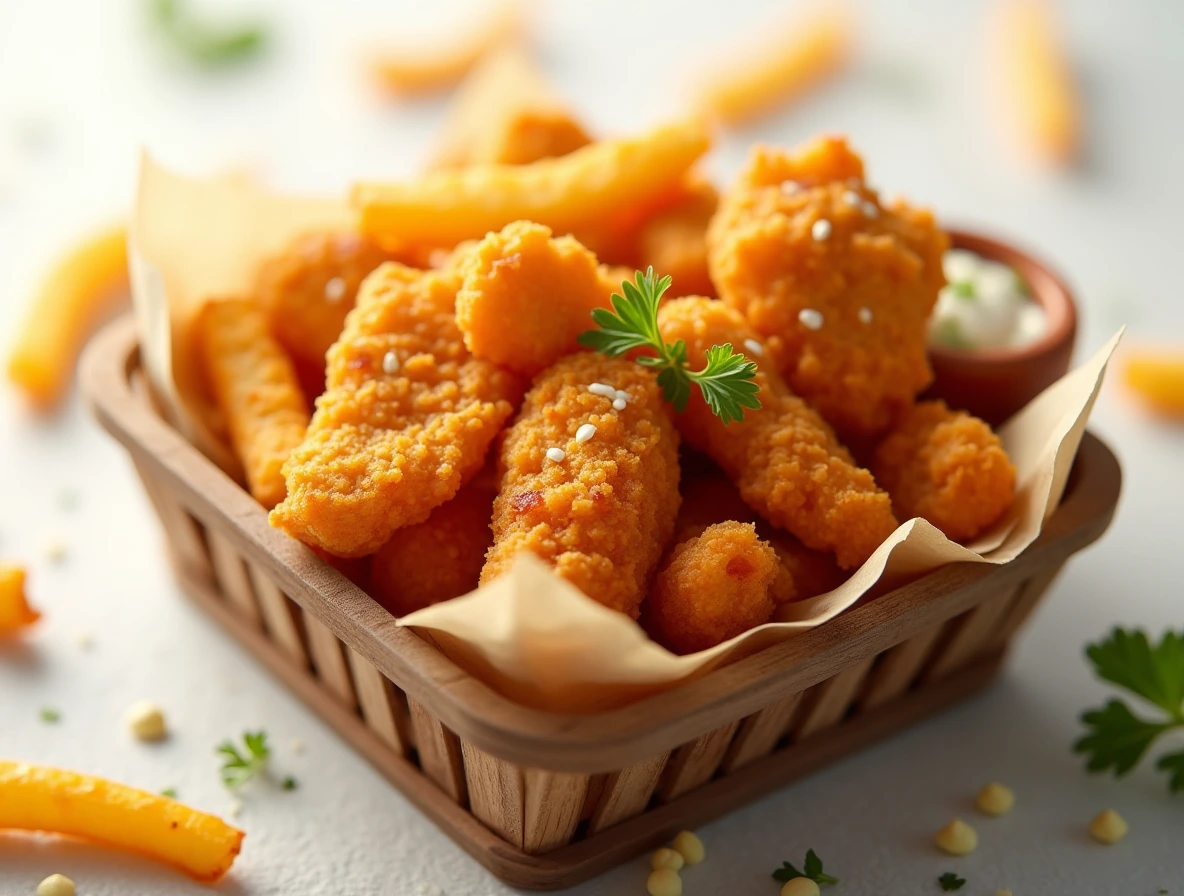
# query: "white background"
82,86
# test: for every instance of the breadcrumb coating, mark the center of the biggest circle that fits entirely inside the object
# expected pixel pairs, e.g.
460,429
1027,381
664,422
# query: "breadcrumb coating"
812,572
784,458
947,467
527,296
603,514
711,588
438,559
309,288
838,284
390,442
674,240
256,389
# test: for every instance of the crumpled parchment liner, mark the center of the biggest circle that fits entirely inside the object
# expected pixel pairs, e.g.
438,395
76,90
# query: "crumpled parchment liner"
530,634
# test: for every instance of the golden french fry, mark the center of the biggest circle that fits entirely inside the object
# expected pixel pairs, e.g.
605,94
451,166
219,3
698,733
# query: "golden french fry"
1036,85
15,612
597,183
1158,379
257,389
412,70
40,798
82,289
789,60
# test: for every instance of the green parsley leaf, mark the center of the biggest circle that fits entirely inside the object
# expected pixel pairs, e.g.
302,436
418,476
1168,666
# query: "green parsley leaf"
170,792
201,42
50,715
289,783
950,882
963,289
726,380
812,870
238,767
1116,738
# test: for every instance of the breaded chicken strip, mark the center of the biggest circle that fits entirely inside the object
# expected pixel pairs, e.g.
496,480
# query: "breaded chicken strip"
526,297
674,240
711,588
438,559
256,388
603,513
406,418
838,285
309,288
947,467
785,460
812,572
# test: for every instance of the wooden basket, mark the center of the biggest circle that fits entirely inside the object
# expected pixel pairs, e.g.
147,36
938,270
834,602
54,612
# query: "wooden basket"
544,800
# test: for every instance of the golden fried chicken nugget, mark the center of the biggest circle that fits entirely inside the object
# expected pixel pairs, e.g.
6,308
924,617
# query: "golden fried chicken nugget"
839,285
406,419
588,488
711,588
674,240
256,388
527,296
812,572
947,467
438,559
309,288
784,458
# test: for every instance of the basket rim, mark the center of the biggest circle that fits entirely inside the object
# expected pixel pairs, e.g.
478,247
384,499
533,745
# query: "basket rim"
612,738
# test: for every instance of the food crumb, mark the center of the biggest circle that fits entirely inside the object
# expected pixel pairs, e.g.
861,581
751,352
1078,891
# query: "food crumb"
664,882
146,721
1108,827
55,550
56,885
690,847
820,229
667,858
297,746
556,455
585,432
810,318
995,799
800,886
85,640
957,838
234,809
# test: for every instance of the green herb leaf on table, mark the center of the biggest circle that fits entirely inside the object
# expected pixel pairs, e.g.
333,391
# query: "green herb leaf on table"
950,882
50,715
726,379
238,767
289,783
170,792
1117,739
812,869
963,289
202,43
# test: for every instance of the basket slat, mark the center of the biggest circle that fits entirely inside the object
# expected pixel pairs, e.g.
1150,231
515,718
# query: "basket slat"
969,635
185,536
232,577
898,668
439,752
627,793
552,808
328,659
279,616
378,702
760,732
496,793
695,763
827,702
1024,603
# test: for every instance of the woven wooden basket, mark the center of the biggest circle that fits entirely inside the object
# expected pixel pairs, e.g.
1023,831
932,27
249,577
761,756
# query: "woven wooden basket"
545,800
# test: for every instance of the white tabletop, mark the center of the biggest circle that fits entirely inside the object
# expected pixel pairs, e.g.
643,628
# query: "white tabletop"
81,87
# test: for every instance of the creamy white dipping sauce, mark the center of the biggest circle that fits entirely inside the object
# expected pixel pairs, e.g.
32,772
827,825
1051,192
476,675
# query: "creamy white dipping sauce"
984,305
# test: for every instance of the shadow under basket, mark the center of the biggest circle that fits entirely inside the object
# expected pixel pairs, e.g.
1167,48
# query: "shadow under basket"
545,800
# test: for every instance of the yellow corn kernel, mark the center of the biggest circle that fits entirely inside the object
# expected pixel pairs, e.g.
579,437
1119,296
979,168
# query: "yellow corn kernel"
690,847
663,882
800,886
667,858
56,885
1108,827
995,799
146,721
957,838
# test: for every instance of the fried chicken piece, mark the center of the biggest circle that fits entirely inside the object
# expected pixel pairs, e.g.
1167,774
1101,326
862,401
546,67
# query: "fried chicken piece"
527,296
674,240
839,285
406,419
784,458
812,572
309,288
256,389
437,560
603,514
947,467
712,587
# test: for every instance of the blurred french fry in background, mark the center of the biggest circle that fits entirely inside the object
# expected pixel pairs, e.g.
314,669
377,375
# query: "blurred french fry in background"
415,69
15,612
81,290
1157,378
787,60
1035,83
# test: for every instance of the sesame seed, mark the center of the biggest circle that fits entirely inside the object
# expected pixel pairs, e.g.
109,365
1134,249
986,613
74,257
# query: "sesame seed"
602,390
821,229
811,319
585,432
755,347
621,395
852,198
234,809
556,455
297,746
335,290
865,315
790,187
619,404
870,209
390,363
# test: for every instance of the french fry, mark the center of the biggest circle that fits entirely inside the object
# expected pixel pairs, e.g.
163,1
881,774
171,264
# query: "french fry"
256,388
506,114
1036,86
594,184
794,58
82,289
40,798
15,612
1158,379
412,70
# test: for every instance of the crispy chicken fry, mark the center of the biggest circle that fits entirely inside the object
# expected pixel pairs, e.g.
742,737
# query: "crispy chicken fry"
785,460
437,560
1158,378
603,512
596,184
526,297
947,467
674,240
838,285
15,612
256,388
406,418
712,587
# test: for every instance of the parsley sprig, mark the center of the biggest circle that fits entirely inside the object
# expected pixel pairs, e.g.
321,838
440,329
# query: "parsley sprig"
239,767
202,42
811,868
726,380
951,882
1117,738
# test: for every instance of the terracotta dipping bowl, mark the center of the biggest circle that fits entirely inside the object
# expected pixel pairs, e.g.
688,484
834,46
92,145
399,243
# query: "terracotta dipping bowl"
995,383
